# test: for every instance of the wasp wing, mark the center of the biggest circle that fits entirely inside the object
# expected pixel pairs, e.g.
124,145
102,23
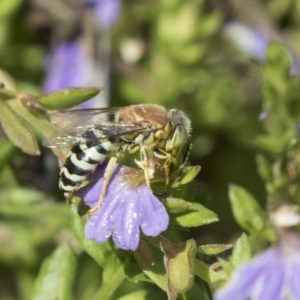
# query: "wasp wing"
73,123
81,118
110,130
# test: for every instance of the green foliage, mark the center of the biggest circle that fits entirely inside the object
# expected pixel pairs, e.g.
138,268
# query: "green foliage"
66,98
56,275
245,118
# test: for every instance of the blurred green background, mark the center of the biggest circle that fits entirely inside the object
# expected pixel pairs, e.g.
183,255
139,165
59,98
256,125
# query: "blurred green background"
204,57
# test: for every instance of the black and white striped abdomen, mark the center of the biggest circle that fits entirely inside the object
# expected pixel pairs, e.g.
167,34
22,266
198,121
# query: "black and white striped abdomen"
83,160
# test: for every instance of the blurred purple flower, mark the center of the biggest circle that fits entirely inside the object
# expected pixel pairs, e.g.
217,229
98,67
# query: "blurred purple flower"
66,66
106,11
275,273
249,40
253,41
126,208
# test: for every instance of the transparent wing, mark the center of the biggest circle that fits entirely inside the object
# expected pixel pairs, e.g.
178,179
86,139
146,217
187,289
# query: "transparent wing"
73,123
81,134
68,120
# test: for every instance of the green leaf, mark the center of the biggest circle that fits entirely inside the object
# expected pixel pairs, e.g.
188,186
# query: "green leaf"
6,81
273,143
41,125
55,280
264,168
213,249
176,205
209,23
195,215
112,277
278,60
199,290
134,272
136,295
17,131
19,195
241,251
5,153
67,98
227,266
55,212
150,260
276,80
206,273
8,7
96,251
179,264
186,175
178,26
7,94
246,209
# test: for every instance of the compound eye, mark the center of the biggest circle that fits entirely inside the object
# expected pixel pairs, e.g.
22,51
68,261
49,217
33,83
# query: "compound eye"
178,139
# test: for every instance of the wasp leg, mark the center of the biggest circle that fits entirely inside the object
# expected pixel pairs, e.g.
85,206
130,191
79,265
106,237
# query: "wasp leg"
144,165
106,177
167,157
70,197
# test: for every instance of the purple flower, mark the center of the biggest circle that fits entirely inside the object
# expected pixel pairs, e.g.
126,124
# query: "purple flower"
106,11
67,66
272,275
128,206
254,42
249,40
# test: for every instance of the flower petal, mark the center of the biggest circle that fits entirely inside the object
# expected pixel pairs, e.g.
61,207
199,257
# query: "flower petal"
67,66
124,210
294,279
127,234
246,277
107,11
270,286
155,218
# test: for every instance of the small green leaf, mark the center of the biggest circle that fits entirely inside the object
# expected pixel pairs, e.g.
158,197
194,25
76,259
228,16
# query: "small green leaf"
213,249
136,295
67,98
179,264
176,205
6,81
277,58
273,143
227,266
186,175
264,168
17,131
241,251
8,7
206,273
134,272
196,215
55,280
246,209
41,125
112,277
6,94
150,260
19,195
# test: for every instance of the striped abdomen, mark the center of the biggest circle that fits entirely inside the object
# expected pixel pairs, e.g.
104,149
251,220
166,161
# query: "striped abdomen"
83,160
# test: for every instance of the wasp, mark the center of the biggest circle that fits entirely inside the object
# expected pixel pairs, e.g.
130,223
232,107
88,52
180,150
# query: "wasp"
146,128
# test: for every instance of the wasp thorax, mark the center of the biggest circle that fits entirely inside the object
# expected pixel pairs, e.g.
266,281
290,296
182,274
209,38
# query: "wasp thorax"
153,115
